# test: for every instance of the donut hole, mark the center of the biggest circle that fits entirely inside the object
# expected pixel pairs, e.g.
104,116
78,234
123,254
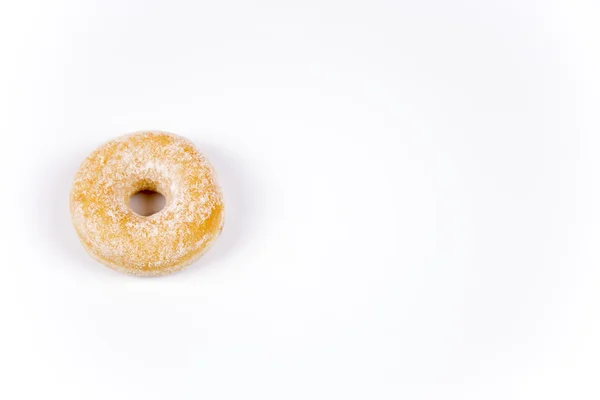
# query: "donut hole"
147,202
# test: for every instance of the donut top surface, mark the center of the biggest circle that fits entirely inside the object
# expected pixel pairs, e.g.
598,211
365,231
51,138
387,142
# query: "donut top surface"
163,242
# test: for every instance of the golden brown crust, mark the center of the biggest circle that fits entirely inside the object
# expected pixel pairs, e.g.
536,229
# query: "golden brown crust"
166,241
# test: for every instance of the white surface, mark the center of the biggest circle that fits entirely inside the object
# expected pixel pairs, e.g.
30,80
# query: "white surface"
412,189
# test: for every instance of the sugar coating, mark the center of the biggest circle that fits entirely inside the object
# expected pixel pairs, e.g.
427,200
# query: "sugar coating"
161,243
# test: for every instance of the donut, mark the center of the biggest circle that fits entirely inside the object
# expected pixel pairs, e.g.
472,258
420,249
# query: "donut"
159,244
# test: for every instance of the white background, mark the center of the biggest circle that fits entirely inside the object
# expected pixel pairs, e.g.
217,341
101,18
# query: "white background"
413,192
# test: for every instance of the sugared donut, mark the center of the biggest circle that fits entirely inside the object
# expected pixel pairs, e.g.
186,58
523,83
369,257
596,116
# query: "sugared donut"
161,243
